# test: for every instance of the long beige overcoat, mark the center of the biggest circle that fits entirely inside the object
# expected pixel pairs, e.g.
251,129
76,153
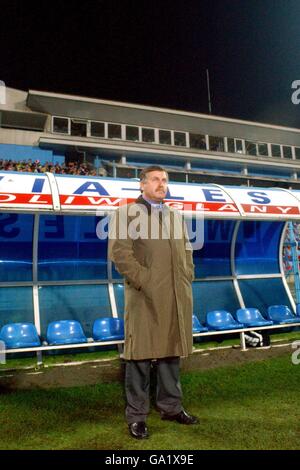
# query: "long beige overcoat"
158,272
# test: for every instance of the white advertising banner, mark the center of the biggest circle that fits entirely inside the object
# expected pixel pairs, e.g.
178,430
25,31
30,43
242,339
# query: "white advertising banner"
24,191
75,194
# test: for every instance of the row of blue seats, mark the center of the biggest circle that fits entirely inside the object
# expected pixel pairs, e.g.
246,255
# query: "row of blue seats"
24,335
222,320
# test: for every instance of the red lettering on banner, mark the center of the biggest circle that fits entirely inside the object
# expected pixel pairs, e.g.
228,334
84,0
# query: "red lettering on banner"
250,208
108,201
258,209
36,199
200,207
176,205
69,200
90,201
229,208
7,197
104,201
20,198
116,202
215,207
285,210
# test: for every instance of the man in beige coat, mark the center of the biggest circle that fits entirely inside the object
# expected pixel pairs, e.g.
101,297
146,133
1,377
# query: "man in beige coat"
150,248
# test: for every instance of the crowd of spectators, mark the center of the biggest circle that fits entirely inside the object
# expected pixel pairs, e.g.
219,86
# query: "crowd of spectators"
71,168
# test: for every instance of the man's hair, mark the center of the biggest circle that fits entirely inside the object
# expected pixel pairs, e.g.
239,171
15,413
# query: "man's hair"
148,169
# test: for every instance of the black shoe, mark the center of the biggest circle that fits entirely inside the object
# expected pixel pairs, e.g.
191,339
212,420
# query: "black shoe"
182,418
138,430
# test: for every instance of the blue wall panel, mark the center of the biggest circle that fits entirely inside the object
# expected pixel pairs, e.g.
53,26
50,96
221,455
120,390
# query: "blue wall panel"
16,233
213,295
16,305
69,249
214,258
257,247
25,152
82,303
261,293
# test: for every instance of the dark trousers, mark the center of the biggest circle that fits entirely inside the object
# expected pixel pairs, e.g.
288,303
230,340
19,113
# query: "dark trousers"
137,388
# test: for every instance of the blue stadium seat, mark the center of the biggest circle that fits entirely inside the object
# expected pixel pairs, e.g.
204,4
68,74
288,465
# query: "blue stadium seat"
197,326
108,329
251,317
281,314
298,310
65,332
221,320
19,335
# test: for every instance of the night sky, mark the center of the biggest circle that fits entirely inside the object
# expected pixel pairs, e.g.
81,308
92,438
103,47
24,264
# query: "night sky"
156,53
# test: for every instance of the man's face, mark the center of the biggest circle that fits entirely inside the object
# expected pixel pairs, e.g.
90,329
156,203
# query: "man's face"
155,185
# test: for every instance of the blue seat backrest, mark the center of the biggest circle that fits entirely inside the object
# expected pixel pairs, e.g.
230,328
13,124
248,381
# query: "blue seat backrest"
65,332
244,315
108,328
20,335
280,312
219,317
197,326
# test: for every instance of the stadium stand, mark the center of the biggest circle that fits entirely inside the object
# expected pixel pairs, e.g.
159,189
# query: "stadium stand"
55,256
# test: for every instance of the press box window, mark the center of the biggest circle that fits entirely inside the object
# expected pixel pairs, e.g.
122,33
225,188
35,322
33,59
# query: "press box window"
297,153
61,125
132,133
174,176
275,150
234,145
230,145
97,129
263,149
164,137
238,146
251,148
114,131
148,135
216,144
287,151
78,128
197,141
125,172
180,139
